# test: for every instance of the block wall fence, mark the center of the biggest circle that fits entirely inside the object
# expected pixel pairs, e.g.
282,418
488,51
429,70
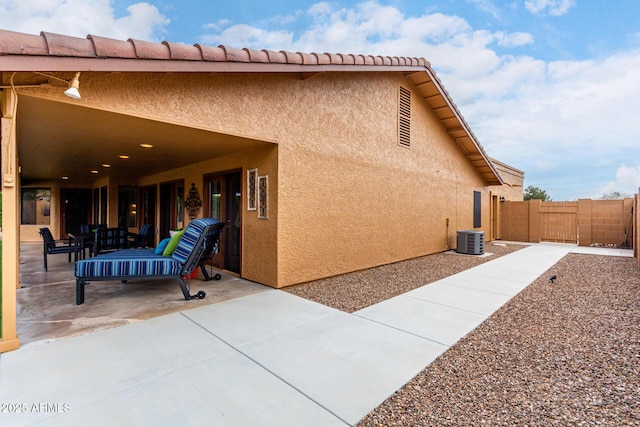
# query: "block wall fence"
612,223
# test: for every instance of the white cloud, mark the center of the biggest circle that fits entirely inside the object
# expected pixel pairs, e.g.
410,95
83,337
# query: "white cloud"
241,35
554,120
513,39
487,6
549,7
568,124
627,182
80,18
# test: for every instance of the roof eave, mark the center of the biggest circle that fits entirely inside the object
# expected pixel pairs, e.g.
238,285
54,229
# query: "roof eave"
23,63
437,97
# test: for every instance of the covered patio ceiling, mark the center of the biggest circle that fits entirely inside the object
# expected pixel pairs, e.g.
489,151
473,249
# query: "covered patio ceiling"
59,139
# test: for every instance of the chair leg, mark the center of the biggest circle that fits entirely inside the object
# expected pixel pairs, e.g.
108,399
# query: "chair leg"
184,289
79,291
45,261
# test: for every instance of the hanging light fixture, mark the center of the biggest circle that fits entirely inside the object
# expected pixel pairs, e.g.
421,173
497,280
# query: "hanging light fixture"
74,85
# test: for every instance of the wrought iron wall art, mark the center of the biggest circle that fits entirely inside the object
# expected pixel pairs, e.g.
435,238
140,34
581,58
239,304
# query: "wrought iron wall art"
252,189
263,202
193,202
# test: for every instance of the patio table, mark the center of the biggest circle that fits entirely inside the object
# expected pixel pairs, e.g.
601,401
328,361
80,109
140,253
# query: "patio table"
82,241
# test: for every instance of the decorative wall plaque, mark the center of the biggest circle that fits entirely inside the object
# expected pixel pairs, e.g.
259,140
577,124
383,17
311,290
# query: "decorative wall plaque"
252,189
193,202
263,197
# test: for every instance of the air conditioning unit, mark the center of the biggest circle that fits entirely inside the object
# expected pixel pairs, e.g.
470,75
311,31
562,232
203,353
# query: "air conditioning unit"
470,242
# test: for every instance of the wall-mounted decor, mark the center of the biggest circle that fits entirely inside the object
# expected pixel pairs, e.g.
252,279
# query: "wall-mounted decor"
193,202
263,197
252,189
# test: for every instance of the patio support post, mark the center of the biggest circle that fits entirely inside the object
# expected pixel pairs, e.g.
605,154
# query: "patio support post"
10,222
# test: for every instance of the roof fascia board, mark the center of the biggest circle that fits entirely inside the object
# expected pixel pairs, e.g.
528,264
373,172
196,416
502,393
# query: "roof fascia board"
463,124
20,63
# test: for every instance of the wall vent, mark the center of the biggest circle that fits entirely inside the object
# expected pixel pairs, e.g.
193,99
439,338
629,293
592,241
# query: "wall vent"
404,118
470,242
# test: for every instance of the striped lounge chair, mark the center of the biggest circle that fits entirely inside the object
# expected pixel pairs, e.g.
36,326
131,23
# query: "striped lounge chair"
198,242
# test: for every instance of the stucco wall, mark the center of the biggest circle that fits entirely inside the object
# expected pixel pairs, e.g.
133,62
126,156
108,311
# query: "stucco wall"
259,236
513,188
31,232
343,195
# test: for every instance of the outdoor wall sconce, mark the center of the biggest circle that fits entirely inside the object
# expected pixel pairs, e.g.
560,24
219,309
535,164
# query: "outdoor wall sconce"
74,84
502,199
193,202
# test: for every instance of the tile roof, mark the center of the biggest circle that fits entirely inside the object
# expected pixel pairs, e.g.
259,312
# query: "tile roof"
55,52
50,44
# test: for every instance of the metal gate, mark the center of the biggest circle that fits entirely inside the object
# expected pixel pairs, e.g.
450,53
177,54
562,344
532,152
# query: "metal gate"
559,222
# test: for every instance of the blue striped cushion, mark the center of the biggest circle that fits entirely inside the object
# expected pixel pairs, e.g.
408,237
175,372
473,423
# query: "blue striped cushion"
129,253
148,266
144,262
189,238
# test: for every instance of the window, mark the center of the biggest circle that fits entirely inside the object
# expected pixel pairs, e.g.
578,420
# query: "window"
36,206
477,209
127,207
404,118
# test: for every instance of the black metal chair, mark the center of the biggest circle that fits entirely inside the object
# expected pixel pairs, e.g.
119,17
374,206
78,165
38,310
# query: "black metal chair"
109,240
51,247
143,238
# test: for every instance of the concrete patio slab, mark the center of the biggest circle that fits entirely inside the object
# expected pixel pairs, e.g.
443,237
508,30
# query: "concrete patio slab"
587,250
473,280
435,322
348,365
224,390
266,358
472,300
243,320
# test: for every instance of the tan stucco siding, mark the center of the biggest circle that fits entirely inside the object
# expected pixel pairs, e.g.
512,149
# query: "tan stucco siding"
343,195
259,236
348,196
351,198
513,188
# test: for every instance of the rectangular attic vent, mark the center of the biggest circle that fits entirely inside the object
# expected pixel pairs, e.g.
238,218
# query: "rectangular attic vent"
470,242
404,118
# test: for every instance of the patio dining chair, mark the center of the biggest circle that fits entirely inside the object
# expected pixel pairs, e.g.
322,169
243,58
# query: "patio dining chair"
143,238
51,247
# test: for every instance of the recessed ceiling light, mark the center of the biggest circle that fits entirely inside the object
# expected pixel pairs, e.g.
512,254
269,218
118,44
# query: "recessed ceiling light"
106,165
146,145
123,156
94,171
65,177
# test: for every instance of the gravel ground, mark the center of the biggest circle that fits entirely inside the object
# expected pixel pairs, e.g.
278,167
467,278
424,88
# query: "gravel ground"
564,354
355,291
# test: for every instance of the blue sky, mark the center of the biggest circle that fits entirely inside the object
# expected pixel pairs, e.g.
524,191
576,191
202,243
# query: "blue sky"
551,87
